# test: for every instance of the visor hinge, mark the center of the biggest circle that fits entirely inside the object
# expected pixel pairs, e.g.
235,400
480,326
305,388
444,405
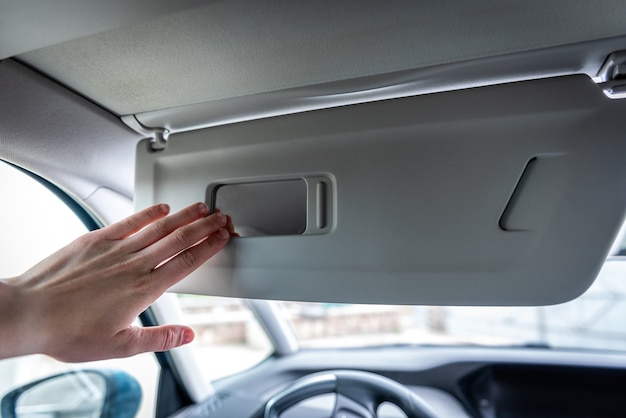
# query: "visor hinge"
158,136
612,76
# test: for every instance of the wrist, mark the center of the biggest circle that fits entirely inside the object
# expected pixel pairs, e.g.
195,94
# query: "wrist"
15,335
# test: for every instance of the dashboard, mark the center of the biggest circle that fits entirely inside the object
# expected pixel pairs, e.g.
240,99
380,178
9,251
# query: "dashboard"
453,381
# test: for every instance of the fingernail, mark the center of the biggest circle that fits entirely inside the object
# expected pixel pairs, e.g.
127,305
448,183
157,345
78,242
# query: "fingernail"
164,208
220,217
188,336
223,234
203,208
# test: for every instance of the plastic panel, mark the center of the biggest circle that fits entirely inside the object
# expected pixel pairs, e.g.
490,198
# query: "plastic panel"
421,185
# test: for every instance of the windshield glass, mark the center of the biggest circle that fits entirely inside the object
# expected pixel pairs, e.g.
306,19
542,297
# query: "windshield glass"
595,320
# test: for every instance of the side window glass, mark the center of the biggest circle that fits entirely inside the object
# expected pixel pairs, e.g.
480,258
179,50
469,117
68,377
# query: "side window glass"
35,224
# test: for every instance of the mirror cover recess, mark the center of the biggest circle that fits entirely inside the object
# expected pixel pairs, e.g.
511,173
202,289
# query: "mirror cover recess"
501,195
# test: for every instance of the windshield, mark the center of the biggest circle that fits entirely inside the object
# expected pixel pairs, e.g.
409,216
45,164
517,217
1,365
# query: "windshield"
231,337
595,320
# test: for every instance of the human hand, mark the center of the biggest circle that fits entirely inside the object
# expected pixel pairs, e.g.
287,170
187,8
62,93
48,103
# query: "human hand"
79,304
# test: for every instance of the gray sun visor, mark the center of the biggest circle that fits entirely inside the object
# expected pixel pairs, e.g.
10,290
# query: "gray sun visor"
502,195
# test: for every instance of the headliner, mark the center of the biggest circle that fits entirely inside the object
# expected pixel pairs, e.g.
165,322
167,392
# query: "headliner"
238,48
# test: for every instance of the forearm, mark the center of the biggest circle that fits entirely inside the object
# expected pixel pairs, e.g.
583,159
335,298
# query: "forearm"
14,325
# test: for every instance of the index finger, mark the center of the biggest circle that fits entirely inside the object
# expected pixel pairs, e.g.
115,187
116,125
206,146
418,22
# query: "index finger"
135,223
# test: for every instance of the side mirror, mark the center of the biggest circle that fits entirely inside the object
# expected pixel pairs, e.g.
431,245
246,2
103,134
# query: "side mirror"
80,393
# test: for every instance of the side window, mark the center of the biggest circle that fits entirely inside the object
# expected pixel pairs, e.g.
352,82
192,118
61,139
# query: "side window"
34,224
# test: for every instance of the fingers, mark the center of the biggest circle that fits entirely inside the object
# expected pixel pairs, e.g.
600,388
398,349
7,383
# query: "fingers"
136,340
183,238
135,223
187,261
162,228
229,225
158,227
177,244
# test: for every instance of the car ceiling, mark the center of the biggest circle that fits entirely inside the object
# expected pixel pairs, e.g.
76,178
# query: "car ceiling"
139,56
236,48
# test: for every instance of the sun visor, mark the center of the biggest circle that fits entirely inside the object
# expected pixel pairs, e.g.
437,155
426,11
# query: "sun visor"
501,195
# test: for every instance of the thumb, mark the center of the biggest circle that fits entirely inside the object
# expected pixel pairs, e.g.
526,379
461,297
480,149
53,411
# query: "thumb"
162,338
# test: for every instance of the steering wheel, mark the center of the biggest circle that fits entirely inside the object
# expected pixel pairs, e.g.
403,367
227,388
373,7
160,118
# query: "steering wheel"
359,394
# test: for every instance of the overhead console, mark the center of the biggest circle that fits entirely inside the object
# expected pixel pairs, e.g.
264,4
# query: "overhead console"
506,195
